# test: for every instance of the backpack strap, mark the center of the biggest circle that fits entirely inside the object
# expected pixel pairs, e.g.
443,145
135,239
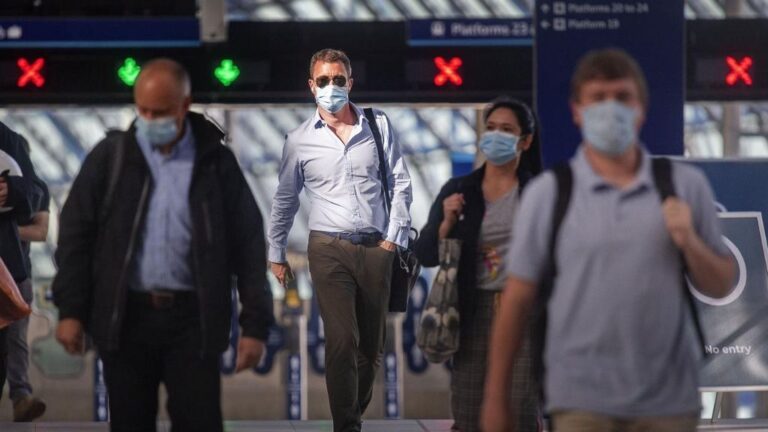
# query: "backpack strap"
665,186
564,181
564,178
382,159
116,152
662,177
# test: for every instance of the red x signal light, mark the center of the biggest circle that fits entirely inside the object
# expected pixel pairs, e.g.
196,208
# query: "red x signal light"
31,73
448,71
739,71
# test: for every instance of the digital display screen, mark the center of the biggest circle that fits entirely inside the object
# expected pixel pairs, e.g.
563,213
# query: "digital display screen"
218,75
727,60
269,63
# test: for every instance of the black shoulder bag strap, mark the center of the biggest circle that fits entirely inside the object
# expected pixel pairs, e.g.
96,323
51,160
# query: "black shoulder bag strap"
564,181
114,169
382,158
662,177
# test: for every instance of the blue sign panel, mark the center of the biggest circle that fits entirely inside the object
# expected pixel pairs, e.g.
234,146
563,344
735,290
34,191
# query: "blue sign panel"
734,326
652,31
391,387
413,356
293,387
733,183
469,32
100,396
60,33
316,338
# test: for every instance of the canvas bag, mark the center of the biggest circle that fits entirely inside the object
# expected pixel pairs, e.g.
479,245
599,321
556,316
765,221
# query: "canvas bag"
438,335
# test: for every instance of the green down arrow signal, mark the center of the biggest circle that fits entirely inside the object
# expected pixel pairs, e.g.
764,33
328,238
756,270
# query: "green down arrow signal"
227,72
129,71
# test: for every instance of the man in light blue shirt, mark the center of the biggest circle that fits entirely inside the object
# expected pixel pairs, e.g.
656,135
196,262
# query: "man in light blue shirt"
164,256
353,240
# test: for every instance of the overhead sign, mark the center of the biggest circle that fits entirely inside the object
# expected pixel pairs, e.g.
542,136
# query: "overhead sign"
469,32
31,73
738,71
652,31
732,67
98,33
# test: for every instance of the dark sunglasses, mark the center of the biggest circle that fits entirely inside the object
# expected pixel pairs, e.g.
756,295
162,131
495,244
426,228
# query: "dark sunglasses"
338,81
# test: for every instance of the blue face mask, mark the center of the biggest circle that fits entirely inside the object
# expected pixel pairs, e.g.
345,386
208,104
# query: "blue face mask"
159,131
331,98
609,127
499,147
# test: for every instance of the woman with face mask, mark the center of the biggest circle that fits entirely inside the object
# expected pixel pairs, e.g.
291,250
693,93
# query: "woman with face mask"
479,209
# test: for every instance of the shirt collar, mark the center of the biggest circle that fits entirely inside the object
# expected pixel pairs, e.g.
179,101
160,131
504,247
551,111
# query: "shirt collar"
318,121
594,182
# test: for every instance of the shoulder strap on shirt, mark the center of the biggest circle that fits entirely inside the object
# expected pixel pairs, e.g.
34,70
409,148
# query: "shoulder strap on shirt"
114,167
665,186
382,159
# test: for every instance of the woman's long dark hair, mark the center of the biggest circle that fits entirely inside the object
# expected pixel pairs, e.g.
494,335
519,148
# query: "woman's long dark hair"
530,161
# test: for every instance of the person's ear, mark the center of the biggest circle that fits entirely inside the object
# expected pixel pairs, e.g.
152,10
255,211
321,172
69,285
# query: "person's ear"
525,142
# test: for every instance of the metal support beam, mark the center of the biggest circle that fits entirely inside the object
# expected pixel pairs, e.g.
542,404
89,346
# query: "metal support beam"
731,111
213,20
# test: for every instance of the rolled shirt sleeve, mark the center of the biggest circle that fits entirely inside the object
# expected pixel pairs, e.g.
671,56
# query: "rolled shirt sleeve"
399,181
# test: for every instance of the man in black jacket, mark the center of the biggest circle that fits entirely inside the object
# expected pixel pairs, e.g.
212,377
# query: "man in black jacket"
17,195
156,224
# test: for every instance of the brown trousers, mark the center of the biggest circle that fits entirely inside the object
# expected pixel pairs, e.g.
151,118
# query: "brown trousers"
578,421
352,287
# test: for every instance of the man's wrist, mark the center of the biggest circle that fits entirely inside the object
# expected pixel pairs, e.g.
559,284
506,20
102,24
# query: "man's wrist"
276,255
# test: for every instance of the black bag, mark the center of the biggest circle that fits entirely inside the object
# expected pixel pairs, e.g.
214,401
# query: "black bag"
406,267
665,187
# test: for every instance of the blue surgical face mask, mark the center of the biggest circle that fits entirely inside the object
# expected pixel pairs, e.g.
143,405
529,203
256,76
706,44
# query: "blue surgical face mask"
159,131
499,147
331,98
609,127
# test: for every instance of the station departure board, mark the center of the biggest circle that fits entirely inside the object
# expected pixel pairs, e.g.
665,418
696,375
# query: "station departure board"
268,63
728,59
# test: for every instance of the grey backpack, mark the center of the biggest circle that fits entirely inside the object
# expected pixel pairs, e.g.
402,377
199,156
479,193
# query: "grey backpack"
438,335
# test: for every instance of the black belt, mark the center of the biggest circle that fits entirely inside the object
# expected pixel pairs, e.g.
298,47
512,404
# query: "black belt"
162,299
360,238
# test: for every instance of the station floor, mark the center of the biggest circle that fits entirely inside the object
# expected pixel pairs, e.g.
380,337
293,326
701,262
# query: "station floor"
325,426
250,426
